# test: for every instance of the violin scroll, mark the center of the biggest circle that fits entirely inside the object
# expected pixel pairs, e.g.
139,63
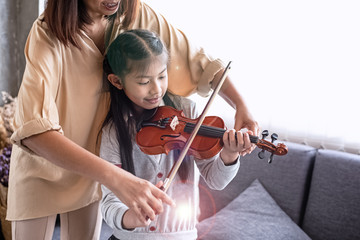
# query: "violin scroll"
279,149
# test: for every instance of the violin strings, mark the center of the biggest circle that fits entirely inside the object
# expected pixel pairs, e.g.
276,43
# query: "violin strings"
208,131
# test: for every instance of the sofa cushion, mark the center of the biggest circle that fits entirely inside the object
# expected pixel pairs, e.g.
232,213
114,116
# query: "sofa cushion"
287,180
333,209
252,215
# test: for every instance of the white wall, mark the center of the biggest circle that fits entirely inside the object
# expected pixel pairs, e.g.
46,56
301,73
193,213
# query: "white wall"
297,63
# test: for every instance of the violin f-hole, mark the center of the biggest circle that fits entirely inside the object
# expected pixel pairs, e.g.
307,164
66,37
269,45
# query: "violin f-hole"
170,135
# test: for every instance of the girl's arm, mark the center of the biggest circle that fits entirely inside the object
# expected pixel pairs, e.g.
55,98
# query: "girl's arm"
220,170
216,173
138,194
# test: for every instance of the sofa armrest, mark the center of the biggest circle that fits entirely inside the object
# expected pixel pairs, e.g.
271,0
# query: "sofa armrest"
333,208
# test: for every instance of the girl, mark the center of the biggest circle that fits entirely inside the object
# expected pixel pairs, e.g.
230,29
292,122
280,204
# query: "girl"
136,69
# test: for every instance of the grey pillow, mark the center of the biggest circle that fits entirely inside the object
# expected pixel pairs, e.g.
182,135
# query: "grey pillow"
252,215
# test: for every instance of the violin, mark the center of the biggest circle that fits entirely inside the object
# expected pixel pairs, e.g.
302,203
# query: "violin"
168,129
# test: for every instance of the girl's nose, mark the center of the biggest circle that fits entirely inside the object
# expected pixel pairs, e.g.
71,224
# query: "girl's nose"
155,88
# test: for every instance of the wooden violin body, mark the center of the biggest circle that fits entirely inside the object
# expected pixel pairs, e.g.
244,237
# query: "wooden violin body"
168,129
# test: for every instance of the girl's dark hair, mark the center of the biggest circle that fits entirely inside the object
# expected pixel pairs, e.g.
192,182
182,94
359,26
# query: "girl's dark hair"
66,18
132,50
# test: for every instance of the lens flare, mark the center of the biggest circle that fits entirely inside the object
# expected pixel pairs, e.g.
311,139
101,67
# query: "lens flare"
183,211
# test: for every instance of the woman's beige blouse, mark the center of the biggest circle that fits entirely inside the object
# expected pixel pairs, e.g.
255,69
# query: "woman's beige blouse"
62,91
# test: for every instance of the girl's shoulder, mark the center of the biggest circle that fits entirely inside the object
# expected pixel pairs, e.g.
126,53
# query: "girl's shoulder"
185,104
108,133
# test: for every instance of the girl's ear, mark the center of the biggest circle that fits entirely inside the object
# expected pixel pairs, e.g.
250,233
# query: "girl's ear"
115,80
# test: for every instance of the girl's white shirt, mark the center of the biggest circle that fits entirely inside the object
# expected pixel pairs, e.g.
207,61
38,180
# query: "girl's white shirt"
173,223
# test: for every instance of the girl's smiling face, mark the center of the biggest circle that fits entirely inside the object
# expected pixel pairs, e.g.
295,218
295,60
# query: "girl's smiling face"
145,88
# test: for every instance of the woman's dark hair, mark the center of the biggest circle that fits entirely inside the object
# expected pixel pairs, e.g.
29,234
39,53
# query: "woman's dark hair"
66,18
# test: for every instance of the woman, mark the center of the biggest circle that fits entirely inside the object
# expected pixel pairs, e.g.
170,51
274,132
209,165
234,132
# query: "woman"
55,168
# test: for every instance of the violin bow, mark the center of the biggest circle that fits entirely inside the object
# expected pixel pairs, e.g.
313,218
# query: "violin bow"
191,138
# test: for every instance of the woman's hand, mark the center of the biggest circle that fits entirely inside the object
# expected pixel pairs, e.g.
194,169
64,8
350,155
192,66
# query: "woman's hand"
243,119
143,198
131,220
235,143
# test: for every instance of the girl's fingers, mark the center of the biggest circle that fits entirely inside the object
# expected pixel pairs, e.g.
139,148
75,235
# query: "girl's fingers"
240,140
247,143
159,184
232,140
246,146
226,138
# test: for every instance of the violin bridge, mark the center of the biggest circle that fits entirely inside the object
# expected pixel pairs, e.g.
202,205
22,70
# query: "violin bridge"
174,123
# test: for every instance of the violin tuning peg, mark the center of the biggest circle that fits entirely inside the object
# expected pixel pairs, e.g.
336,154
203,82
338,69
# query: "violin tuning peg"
270,159
274,137
264,134
261,154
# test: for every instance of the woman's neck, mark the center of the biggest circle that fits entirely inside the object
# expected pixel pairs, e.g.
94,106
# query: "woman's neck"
96,31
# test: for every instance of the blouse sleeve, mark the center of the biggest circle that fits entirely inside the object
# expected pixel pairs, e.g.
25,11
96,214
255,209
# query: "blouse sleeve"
36,110
191,69
215,173
112,208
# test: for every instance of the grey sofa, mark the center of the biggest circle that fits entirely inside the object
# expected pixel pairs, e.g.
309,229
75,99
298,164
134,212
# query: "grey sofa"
307,194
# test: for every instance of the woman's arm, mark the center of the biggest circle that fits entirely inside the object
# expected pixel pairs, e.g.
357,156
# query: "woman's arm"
138,194
191,69
243,117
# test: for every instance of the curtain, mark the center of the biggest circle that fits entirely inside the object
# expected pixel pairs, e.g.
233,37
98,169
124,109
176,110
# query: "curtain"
16,19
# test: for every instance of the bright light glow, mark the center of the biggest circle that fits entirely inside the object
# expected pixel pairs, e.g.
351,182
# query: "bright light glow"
296,63
41,6
183,211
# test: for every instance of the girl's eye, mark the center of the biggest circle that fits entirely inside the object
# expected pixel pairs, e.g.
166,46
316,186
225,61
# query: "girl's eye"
144,83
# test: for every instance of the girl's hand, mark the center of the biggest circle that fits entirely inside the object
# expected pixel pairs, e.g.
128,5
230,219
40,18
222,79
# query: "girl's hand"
130,220
234,146
243,119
